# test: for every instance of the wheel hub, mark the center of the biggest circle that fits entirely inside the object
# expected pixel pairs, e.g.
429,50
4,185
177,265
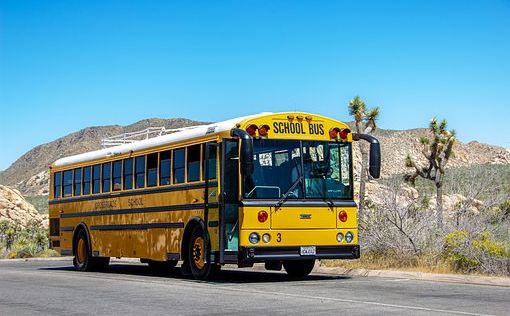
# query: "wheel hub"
198,252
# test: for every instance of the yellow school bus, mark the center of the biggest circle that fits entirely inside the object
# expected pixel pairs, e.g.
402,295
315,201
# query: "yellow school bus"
272,187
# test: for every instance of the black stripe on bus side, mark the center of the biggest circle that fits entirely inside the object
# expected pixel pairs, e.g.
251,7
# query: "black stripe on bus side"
67,228
130,193
137,226
165,208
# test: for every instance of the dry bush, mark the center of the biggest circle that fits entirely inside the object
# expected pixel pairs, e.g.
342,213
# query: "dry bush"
399,230
398,224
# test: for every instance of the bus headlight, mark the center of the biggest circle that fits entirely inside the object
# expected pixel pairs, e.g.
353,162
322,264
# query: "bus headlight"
254,238
266,238
349,237
339,237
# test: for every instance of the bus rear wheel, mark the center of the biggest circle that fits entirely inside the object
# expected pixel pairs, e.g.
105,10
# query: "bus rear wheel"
83,260
199,268
298,268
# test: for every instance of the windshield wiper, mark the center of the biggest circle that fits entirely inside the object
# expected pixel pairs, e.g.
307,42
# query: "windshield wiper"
285,196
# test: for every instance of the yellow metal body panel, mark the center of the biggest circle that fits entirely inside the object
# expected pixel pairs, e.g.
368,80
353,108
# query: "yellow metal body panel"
298,237
319,228
303,217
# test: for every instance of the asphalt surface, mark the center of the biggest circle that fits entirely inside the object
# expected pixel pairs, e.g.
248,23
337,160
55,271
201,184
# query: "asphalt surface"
53,287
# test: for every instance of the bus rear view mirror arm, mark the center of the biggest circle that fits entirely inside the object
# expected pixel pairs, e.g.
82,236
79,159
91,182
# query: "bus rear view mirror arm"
246,150
375,153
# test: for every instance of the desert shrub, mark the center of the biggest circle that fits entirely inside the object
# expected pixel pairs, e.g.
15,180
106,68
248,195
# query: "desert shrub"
477,252
23,242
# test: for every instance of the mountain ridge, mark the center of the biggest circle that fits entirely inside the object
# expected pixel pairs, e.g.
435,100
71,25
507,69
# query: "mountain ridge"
29,173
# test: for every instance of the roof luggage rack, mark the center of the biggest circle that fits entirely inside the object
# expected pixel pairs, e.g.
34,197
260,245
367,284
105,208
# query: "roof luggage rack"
133,137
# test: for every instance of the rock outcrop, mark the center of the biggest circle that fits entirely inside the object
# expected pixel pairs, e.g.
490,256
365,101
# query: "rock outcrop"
14,208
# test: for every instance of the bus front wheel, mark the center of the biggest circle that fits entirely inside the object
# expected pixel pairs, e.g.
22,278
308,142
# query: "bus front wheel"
199,268
298,268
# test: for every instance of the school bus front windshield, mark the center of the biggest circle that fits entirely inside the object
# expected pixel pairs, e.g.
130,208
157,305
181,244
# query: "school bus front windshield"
300,170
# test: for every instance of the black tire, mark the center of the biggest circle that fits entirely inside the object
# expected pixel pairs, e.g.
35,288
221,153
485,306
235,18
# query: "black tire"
299,268
199,268
83,260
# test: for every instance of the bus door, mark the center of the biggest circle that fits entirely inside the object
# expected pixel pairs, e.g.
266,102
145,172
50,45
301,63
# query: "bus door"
211,215
229,205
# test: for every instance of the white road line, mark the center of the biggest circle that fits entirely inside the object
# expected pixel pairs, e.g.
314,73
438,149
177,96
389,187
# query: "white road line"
230,289
354,301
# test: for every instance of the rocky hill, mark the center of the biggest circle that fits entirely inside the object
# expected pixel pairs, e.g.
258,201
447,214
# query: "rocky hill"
29,173
395,145
14,208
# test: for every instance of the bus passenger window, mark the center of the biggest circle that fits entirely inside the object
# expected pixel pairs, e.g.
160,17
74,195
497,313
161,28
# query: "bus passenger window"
57,184
152,170
68,183
164,167
117,175
193,163
77,182
96,179
107,174
140,172
128,174
86,180
211,162
178,166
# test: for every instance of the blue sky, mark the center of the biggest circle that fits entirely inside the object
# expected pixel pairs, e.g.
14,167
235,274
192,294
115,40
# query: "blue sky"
66,65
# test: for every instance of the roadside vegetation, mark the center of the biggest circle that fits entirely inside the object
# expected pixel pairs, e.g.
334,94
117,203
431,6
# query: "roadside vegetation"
24,242
400,231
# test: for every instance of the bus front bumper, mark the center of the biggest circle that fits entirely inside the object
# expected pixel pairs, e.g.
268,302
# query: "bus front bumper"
261,254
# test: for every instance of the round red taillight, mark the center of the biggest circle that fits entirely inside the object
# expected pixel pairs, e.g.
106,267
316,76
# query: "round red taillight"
263,130
342,216
262,216
252,129
344,133
333,133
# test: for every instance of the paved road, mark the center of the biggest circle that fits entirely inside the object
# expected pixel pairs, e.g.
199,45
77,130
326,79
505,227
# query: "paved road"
53,287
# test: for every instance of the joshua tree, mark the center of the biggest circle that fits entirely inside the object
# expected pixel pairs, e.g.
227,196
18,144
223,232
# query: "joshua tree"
357,108
437,151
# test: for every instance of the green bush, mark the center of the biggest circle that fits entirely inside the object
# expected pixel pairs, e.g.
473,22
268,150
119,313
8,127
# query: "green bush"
19,242
477,252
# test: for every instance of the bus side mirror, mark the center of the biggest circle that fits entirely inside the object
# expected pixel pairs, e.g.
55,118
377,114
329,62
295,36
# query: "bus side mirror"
375,160
246,154
374,167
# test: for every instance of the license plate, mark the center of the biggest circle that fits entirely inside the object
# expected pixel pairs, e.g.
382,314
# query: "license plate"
307,251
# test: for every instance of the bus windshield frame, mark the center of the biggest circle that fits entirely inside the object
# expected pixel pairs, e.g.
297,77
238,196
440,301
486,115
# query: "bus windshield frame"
300,170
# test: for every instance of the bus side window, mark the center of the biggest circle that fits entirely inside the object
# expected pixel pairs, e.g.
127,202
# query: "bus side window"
164,167
211,162
107,175
152,170
140,172
86,180
57,184
193,158
178,168
128,174
77,182
68,183
117,175
96,179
